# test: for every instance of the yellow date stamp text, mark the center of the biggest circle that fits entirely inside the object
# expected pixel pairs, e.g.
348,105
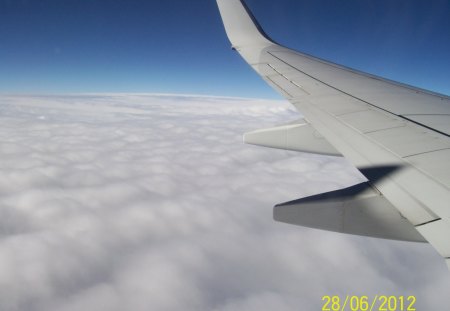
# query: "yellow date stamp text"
366,303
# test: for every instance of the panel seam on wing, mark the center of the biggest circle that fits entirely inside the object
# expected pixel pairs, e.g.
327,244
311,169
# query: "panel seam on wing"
353,96
428,222
423,125
282,89
425,152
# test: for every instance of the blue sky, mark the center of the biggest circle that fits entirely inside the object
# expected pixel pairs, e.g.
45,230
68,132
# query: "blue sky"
179,46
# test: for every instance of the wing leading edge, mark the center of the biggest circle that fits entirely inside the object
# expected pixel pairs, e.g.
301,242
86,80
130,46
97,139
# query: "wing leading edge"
375,123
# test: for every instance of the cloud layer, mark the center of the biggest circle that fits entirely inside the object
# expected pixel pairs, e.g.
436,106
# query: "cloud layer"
152,202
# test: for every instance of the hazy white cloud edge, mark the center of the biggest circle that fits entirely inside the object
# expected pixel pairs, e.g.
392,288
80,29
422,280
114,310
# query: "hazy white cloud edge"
152,202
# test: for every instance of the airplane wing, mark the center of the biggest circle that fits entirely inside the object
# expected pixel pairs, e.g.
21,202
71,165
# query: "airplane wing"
395,134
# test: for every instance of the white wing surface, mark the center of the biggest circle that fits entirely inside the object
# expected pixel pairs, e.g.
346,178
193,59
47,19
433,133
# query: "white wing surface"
395,134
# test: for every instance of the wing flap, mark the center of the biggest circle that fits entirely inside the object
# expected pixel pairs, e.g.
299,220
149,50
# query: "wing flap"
359,209
296,137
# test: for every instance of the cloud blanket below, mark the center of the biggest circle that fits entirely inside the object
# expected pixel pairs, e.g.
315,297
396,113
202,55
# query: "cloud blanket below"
152,202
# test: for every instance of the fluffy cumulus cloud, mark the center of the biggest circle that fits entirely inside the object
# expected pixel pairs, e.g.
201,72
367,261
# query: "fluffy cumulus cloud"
152,202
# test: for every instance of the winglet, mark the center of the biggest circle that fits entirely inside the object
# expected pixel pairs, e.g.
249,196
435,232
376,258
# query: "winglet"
240,25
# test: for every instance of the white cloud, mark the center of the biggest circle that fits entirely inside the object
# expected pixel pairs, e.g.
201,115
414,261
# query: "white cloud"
152,202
